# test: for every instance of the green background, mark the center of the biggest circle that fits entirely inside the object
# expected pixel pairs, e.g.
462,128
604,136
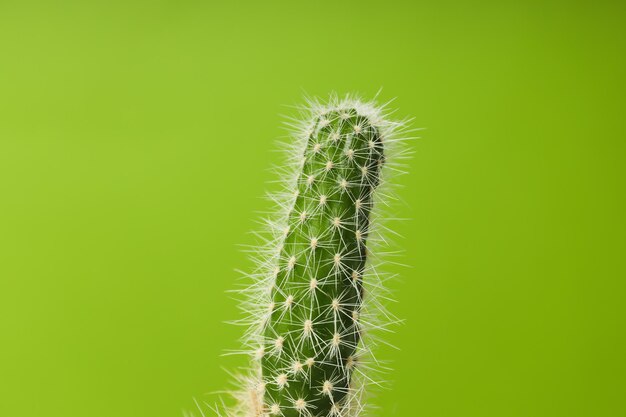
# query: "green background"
135,142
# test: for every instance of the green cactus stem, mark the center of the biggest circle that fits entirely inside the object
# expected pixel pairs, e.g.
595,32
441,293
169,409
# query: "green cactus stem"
313,332
317,295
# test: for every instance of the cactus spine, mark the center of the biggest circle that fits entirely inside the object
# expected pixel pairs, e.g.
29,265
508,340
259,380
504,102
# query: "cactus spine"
316,295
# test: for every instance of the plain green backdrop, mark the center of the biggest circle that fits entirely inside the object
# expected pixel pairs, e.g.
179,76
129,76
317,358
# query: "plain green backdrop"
135,142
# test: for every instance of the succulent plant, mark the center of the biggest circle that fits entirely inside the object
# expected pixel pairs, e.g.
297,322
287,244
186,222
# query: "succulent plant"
317,300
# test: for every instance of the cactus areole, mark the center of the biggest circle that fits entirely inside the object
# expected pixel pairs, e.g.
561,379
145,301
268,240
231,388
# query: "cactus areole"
313,331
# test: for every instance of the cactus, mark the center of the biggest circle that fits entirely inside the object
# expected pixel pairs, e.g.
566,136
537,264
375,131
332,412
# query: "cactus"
316,295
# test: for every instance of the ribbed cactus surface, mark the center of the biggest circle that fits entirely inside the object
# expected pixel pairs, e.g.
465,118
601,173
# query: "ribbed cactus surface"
313,330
